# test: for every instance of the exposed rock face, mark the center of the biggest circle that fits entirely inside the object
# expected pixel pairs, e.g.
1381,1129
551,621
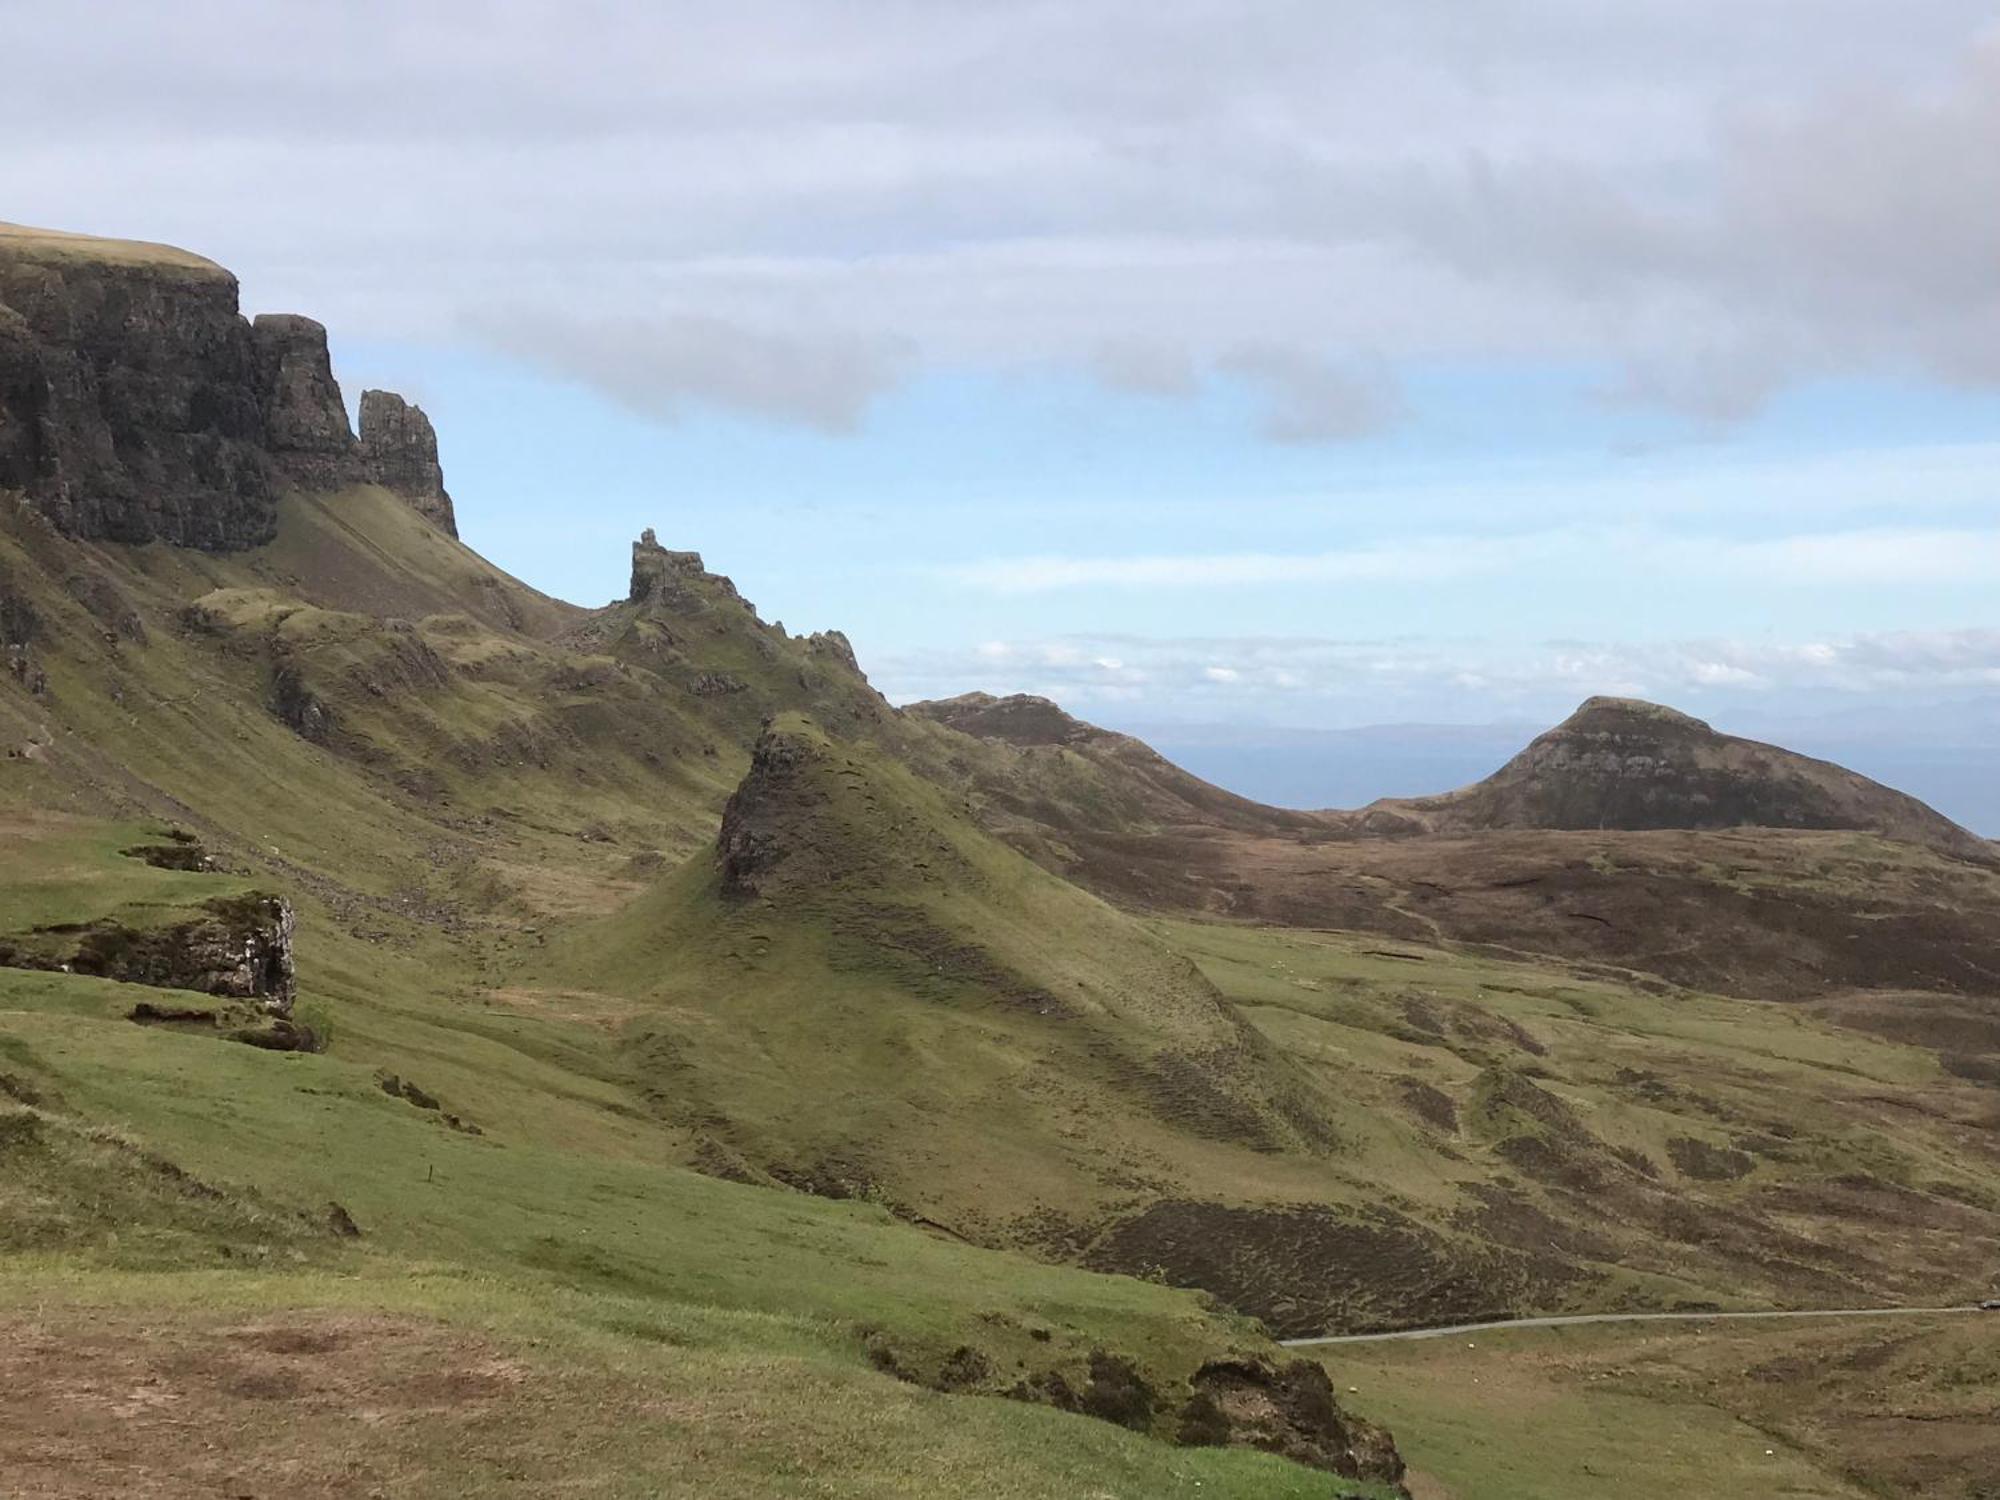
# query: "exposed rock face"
1289,1410
138,405
400,452
24,396
305,421
658,575
752,839
1621,764
239,947
129,408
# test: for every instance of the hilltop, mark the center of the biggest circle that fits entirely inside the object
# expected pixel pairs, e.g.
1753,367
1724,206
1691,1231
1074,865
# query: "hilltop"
1618,763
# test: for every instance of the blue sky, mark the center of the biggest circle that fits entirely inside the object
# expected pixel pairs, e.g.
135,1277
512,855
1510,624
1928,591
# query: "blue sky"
1152,561
1306,363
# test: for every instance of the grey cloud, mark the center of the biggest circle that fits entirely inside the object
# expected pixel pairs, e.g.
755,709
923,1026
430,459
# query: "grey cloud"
660,366
1314,400
1717,197
1139,367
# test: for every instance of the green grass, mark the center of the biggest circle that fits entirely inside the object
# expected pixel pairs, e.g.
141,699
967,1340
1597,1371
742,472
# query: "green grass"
1886,1407
1635,1071
174,1170
599,1395
1505,1417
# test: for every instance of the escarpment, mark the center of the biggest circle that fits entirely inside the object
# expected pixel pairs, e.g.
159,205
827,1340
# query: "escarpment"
131,410
400,452
137,404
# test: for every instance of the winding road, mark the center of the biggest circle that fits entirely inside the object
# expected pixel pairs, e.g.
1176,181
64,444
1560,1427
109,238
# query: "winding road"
1576,1319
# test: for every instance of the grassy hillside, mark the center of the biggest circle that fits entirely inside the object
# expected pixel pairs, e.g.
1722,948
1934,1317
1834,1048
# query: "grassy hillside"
477,1186
988,1048
1894,1407
1638,1145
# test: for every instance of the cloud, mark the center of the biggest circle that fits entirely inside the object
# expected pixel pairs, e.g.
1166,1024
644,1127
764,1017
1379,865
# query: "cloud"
1888,678
1314,400
660,366
1710,199
1891,556
1142,367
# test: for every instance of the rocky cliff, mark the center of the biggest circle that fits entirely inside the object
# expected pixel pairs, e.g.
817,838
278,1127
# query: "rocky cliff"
137,404
305,421
131,409
400,452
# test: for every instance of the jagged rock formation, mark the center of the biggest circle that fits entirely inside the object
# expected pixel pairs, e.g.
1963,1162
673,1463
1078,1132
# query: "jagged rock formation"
305,421
1618,763
138,405
1289,1410
657,573
399,452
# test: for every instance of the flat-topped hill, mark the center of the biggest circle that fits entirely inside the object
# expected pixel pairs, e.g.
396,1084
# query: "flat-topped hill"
26,242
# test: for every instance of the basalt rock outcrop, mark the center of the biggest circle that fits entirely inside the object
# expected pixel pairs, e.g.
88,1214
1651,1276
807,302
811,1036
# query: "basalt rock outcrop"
305,421
137,404
777,793
663,577
1618,763
129,408
399,451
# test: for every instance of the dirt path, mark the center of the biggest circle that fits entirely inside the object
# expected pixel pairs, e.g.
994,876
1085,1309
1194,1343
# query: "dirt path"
1577,1319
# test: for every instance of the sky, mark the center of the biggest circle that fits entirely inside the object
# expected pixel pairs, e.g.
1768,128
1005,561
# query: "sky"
1246,364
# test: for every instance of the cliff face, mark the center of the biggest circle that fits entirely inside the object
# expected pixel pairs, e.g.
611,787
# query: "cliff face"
131,403
305,421
138,405
400,451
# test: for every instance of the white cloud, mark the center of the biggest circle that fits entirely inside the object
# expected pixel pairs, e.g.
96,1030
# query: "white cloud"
1882,556
1893,677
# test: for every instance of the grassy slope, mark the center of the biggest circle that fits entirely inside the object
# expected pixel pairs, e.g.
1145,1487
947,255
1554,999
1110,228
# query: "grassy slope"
458,829
1698,1149
988,1045
561,1230
413,900
1895,1408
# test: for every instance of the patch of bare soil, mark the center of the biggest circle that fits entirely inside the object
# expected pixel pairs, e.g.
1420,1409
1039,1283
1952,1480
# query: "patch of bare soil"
104,1404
